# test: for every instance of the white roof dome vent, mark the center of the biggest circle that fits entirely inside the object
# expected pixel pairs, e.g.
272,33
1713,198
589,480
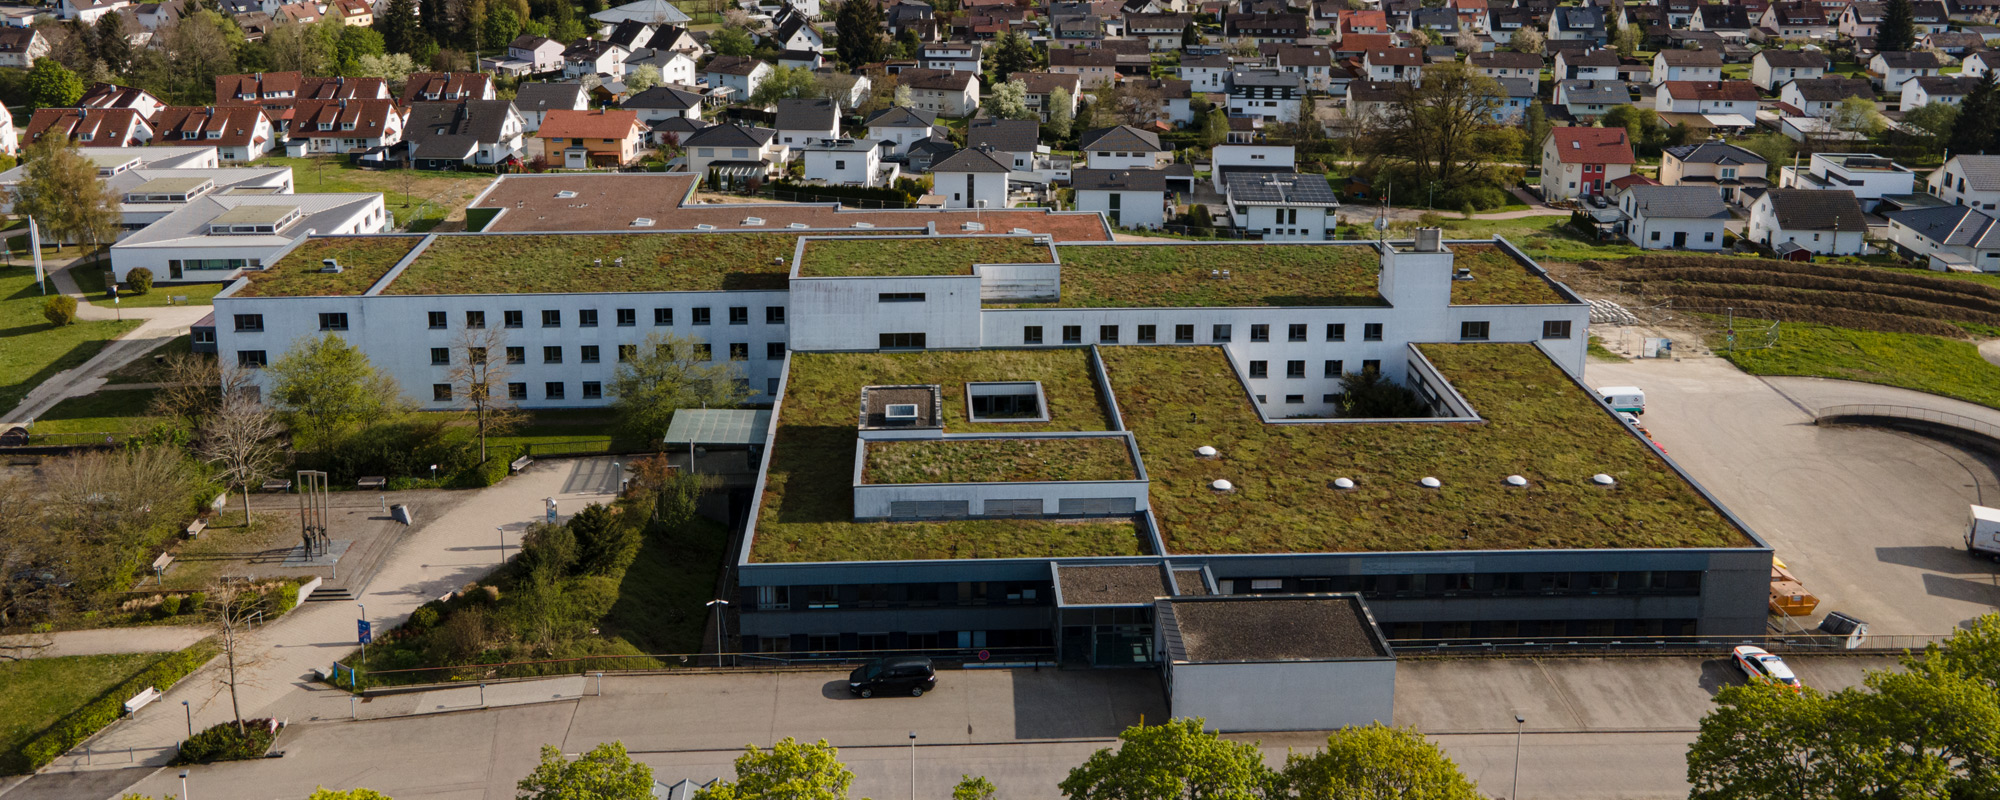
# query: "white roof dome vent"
1222,485
1430,483
1602,479
1206,451
1343,483
1516,480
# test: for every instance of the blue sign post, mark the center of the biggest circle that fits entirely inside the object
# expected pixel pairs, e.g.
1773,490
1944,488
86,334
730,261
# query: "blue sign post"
363,632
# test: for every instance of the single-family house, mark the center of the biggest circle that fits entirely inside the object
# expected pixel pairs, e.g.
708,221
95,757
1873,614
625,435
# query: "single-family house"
1394,64
1729,169
1772,68
1009,141
1092,67
1269,95
1128,198
1733,21
1044,89
1967,180
847,162
946,94
536,99
605,137
1868,177
88,11
1160,32
1686,65
663,102
1595,64
1948,238
1207,73
729,154
950,56
529,54
593,57
675,66
1713,98
1124,148
1976,65
1797,19
239,134
897,128
739,74
111,95
1817,221
471,133
1579,161
1510,104
1507,64
1577,23
1859,19
1890,70
1282,206
798,33
1677,217
1817,97
1947,89
801,121
971,178
1587,100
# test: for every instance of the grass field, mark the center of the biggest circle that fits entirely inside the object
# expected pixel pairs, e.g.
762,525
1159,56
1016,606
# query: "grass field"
571,430
37,692
91,280
660,601
122,412
1912,361
32,350
419,199
143,370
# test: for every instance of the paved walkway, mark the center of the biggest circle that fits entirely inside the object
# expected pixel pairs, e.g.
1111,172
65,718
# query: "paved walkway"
276,663
159,326
154,639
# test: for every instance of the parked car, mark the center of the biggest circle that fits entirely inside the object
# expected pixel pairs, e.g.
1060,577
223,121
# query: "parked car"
1759,664
911,675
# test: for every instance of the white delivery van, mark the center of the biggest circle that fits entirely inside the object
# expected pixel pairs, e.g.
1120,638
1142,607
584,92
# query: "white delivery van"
1628,399
1982,538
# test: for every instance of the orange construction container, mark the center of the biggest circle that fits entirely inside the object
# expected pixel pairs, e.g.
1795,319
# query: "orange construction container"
1790,598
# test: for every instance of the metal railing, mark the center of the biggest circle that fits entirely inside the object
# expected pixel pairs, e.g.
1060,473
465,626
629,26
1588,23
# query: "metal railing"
1801,643
1835,414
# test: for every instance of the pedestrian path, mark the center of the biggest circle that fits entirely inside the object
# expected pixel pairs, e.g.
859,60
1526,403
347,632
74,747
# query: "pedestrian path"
102,641
277,663
157,327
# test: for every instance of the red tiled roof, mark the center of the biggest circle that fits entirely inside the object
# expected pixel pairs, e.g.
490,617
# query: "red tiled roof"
106,127
1710,90
370,118
1592,146
255,86
598,124
238,125
446,86
1360,42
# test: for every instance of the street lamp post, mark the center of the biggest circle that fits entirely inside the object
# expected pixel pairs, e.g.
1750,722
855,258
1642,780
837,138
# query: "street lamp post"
913,765
719,605
1515,793
503,542
184,785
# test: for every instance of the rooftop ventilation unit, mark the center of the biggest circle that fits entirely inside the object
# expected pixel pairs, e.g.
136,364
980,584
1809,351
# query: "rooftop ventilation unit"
704,227
330,265
1462,274
597,262
1430,240
1343,483
565,194
1206,451
1430,483
753,221
1602,479
618,262
1222,485
901,412
1020,231
643,222
1516,480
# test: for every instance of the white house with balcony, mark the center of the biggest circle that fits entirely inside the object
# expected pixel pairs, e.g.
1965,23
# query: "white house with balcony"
1869,177
847,162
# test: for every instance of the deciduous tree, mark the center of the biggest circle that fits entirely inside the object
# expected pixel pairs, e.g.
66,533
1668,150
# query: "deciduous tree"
1009,101
604,773
645,77
667,373
973,787
1376,761
1857,115
1061,118
786,83
1527,40
241,440
1433,126
1931,124
325,388
1172,761
52,85
787,771
731,42
478,377
323,793
62,192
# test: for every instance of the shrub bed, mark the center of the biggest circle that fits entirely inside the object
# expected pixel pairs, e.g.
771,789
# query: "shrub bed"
108,707
226,742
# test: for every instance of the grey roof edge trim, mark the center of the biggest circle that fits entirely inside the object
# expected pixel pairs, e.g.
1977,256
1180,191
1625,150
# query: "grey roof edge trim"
388,278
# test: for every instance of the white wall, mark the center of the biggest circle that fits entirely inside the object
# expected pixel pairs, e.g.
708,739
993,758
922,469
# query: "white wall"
1658,234
841,166
1284,696
849,314
990,187
1135,209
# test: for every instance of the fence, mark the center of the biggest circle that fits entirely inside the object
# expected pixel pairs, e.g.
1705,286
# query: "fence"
1799,643
970,657
56,442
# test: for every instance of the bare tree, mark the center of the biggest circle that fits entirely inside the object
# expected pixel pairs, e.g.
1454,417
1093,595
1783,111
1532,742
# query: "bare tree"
241,440
27,546
478,378
108,506
193,384
229,607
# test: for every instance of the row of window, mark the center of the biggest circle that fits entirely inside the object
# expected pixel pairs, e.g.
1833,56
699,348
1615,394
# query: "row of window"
1332,368
551,318
558,390
1218,333
593,354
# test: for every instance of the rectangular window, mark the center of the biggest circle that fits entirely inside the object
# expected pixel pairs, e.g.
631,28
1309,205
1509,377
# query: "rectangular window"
1148,334
663,317
553,390
1371,332
592,390
1260,369
739,315
704,352
333,322
1184,334
441,392
1371,366
586,318
1333,366
1107,334
901,341
1295,369
517,355
628,317
774,315
588,354
551,319
1475,330
701,316
475,355
1219,333
1260,333
551,354
1295,399
774,351
475,320
517,391
900,297
1555,329
511,319
438,321
440,356
739,351
1031,334
1295,333
1336,332
249,323
1072,334
1329,399
626,352
250,359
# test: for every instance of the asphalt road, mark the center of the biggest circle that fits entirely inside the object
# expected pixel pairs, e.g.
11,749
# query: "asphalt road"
1871,521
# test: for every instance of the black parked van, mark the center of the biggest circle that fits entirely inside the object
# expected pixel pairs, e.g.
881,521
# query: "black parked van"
911,675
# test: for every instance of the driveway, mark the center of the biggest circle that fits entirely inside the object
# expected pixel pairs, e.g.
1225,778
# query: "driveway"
1872,521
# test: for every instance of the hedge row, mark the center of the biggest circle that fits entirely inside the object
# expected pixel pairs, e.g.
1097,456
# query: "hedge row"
107,708
1871,274
1724,294
882,194
1828,283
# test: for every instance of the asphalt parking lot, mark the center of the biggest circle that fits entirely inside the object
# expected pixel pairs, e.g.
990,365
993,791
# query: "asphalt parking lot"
1871,521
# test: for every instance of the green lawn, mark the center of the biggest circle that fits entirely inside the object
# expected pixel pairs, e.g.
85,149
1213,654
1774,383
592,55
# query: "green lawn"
419,199
660,607
37,692
120,412
998,460
143,369
1541,238
91,280
1931,364
32,350
617,262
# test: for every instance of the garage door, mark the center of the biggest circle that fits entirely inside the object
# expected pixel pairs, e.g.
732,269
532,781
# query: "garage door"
927,509
1097,506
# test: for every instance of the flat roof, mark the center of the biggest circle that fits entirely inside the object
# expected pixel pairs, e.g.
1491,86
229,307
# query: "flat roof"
170,185
1012,460
363,260
1537,423
719,426
563,263
917,256
251,213
1250,628
1119,585
807,510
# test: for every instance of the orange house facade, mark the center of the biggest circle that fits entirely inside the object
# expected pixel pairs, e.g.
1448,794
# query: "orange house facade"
597,138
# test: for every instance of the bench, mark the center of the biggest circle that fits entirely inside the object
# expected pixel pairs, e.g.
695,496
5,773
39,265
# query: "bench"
195,528
161,563
177,300
141,699
372,482
520,463
277,485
